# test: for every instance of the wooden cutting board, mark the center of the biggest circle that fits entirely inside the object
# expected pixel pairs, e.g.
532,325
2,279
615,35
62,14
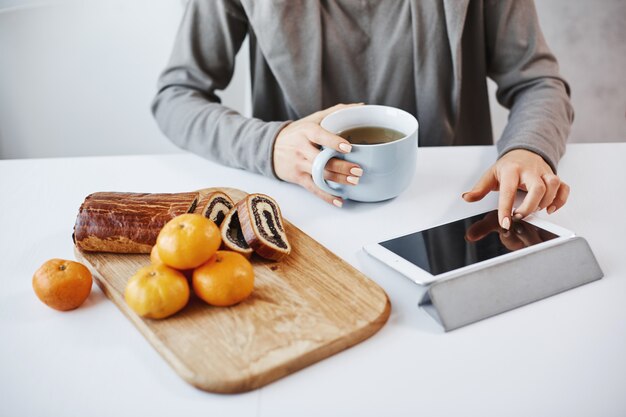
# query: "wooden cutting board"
306,307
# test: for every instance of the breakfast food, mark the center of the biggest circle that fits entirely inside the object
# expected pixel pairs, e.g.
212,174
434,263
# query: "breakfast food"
215,206
127,222
155,259
232,237
62,285
181,233
188,241
262,226
225,279
157,291
130,223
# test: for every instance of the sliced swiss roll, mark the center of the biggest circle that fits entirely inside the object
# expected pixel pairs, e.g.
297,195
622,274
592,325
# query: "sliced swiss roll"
215,206
262,226
232,237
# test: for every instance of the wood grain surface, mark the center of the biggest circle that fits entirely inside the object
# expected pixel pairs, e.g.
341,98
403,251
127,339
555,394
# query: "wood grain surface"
304,308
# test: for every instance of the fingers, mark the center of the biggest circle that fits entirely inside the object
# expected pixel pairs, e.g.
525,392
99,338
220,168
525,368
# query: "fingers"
340,178
306,166
536,190
485,184
297,145
508,187
337,170
561,198
521,169
344,167
336,165
318,135
549,190
306,181
552,183
342,171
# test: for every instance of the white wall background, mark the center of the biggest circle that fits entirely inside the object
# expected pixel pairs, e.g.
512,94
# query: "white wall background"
77,77
588,38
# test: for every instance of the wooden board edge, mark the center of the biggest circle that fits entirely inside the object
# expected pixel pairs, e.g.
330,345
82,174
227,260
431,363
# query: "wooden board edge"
246,384
177,365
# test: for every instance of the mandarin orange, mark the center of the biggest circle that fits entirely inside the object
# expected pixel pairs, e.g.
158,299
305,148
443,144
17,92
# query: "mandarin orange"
187,241
225,279
157,291
62,284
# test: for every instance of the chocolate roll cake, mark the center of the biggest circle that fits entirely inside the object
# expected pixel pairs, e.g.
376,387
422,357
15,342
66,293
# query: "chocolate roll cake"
215,206
127,222
262,226
232,236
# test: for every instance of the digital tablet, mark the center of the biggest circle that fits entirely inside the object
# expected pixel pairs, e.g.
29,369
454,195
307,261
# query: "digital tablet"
463,245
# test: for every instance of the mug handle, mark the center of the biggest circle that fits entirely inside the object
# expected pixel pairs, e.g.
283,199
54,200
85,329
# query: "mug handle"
319,163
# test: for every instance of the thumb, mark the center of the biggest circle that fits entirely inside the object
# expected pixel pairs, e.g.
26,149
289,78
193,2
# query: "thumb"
488,182
317,117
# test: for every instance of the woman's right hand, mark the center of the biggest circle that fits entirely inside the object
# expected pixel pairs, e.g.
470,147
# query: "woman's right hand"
297,145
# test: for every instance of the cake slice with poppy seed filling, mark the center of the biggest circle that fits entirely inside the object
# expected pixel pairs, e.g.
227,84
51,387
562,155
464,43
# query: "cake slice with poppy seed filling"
232,237
215,206
262,226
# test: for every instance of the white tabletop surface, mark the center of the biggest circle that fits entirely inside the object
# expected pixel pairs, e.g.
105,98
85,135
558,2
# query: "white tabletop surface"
562,356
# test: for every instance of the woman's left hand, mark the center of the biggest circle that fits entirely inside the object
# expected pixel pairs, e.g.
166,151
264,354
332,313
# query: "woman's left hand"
527,171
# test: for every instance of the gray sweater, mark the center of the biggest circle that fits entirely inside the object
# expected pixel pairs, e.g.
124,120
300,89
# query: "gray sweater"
429,57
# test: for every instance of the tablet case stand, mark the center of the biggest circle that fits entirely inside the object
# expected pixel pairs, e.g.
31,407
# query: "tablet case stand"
477,295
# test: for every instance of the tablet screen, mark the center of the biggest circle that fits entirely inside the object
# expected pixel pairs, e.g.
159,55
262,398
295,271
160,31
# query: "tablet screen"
464,242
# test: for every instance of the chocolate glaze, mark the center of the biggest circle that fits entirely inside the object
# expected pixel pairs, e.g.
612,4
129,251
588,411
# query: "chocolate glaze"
127,222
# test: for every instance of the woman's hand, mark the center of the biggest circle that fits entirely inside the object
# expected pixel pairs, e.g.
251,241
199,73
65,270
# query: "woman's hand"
527,171
297,145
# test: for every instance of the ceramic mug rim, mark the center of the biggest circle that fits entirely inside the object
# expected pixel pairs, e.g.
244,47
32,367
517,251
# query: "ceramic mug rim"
406,136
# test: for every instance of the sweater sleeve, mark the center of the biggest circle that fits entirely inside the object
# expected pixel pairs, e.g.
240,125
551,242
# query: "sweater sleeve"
186,107
528,80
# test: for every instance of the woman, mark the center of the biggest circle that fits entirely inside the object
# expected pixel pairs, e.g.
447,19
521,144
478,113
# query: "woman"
430,58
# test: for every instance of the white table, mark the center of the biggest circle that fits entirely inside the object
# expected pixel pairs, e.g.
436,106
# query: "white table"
563,356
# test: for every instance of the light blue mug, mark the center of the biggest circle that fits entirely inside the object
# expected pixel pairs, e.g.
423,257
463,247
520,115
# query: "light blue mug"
388,168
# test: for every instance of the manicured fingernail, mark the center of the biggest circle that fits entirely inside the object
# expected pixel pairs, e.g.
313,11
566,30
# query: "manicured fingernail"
551,209
338,203
506,223
353,180
464,194
518,216
356,171
345,147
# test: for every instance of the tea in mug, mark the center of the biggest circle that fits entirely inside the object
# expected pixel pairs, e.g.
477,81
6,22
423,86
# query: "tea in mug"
370,135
